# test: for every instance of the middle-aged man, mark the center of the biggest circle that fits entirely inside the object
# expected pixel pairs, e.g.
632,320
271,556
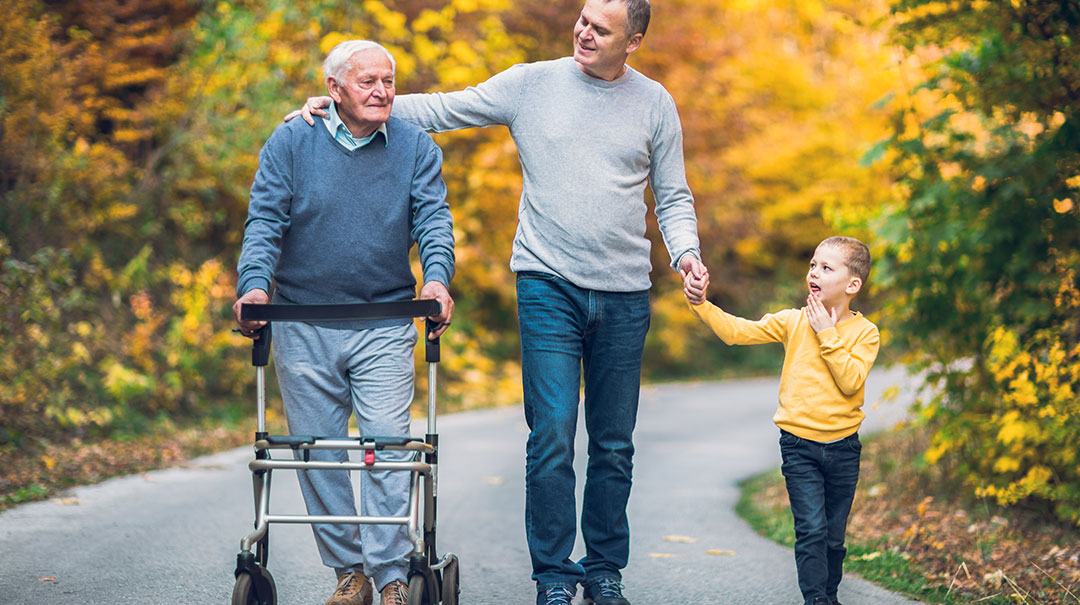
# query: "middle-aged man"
591,133
333,214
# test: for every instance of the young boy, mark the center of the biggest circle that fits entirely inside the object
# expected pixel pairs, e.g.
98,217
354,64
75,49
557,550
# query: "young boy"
828,351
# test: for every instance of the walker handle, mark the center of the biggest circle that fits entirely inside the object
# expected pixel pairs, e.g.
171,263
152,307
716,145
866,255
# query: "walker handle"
260,347
431,351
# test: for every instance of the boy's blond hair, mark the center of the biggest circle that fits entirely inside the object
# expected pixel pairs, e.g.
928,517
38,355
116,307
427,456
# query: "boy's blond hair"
856,254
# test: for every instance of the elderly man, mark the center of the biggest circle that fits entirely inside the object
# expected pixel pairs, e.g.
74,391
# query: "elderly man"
591,133
333,214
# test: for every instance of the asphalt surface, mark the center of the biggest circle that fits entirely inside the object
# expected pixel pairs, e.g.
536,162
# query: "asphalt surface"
172,536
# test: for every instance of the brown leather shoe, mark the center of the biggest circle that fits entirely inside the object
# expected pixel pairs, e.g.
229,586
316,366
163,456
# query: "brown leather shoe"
395,593
353,588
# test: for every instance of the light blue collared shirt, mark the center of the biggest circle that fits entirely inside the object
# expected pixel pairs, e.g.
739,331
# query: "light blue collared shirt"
341,133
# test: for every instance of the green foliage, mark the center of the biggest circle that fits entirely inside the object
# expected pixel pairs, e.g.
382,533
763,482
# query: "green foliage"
37,298
977,247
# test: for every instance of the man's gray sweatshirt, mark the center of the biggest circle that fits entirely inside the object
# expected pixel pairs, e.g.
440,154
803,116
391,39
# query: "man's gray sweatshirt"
588,147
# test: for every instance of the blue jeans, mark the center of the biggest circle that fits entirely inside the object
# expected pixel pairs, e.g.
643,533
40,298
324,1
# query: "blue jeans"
564,330
821,480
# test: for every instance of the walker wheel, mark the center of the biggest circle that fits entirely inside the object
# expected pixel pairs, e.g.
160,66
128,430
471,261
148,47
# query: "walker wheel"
254,591
416,590
450,588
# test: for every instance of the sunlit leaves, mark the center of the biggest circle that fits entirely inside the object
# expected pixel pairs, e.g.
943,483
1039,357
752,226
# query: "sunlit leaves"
979,243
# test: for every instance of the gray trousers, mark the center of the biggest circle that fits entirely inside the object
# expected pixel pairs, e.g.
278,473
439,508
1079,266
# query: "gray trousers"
324,375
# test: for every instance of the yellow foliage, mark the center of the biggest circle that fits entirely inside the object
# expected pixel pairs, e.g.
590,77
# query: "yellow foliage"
330,40
1006,464
427,20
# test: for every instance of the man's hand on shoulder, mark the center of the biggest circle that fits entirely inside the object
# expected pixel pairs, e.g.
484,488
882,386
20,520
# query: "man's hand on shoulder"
314,106
438,291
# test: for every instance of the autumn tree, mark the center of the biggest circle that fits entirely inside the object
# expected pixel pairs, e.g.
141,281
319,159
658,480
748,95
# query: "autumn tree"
131,132
980,241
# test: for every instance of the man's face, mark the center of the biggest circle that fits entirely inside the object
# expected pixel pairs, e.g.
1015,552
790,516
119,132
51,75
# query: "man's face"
828,276
365,93
601,43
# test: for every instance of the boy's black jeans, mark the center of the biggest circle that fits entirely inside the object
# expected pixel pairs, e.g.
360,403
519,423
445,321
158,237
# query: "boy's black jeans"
821,480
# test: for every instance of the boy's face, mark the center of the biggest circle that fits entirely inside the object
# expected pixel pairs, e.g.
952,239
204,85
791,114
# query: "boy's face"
829,278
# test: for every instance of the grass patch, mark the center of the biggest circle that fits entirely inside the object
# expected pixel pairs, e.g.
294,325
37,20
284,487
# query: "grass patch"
910,534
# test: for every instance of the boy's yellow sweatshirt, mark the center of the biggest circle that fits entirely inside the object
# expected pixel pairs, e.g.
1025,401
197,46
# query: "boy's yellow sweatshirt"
821,387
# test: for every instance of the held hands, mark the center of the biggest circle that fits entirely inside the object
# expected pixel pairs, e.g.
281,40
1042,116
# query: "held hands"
438,291
819,317
695,278
257,296
314,106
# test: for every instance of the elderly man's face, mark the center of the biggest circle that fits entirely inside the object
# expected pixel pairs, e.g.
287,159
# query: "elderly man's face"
365,93
601,43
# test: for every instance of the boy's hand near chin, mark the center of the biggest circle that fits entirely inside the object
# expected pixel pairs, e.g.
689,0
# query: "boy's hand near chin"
819,317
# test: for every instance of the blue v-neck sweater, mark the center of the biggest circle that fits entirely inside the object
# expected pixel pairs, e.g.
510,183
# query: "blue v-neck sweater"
329,225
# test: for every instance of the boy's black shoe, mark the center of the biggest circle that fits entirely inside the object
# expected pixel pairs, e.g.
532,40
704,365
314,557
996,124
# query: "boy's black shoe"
605,590
821,601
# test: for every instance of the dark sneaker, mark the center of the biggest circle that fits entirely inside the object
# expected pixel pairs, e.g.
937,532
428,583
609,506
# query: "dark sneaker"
557,594
821,601
605,590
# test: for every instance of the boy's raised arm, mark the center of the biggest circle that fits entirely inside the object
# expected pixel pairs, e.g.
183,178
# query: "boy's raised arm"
738,331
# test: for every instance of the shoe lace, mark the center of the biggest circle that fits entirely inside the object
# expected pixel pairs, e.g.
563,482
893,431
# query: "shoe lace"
395,593
558,595
609,587
350,583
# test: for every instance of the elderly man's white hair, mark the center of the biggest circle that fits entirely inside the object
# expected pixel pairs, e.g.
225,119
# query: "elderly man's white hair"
337,62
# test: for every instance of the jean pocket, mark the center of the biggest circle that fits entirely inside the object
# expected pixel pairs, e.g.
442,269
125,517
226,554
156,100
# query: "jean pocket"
854,444
787,439
523,275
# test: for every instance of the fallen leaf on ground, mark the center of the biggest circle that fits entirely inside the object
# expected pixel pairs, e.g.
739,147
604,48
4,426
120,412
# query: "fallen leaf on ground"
681,539
48,579
494,480
717,551
661,555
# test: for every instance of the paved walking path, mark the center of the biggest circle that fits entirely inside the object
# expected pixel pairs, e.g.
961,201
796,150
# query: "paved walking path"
172,536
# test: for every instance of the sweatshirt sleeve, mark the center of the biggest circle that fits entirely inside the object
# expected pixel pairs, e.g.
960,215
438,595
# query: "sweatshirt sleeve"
738,331
268,215
667,178
490,103
849,367
432,224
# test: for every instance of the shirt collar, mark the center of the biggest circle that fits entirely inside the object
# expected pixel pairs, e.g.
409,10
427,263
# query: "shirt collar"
341,133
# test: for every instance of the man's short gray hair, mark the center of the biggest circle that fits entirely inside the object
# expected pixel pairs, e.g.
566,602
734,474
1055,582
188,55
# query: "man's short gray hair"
637,16
336,63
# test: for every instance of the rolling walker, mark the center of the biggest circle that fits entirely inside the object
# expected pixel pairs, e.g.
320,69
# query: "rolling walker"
432,579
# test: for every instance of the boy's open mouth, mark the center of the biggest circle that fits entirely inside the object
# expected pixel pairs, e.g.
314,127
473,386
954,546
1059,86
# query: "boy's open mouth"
815,288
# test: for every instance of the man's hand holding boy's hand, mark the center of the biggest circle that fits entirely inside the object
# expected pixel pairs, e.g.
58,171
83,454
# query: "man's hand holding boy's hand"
819,317
695,278
314,106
